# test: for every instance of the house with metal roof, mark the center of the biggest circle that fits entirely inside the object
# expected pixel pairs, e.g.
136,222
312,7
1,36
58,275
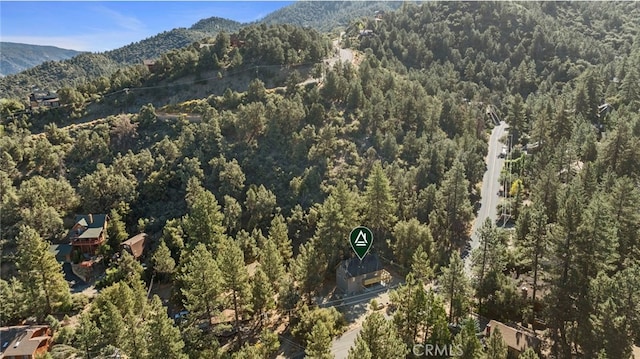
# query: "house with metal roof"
354,275
88,233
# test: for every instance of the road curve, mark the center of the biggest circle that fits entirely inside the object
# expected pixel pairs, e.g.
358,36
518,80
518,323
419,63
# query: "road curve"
489,195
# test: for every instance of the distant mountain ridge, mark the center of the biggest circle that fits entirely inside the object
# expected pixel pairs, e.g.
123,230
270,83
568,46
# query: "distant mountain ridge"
327,15
16,57
321,15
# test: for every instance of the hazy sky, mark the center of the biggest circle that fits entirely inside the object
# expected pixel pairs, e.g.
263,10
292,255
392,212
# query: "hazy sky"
101,25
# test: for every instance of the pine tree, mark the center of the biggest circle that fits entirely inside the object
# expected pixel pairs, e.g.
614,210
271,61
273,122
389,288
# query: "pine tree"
409,235
11,293
164,339
235,277
379,212
496,347
421,265
86,334
360,351
271,262
278,233
163,263
381,338
45,288
116,231
466,340
319,343
488,262
455,287
200,282
232,214
338,216
624,206
411,301
450,220
535,245
112,326
203,223
262,293
308,268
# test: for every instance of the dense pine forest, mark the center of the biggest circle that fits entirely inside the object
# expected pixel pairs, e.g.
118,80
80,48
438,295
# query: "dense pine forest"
248,156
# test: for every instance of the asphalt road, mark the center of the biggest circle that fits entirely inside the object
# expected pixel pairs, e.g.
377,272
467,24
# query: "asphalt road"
490,186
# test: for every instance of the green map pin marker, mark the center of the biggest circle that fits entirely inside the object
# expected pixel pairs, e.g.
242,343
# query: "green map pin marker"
361,239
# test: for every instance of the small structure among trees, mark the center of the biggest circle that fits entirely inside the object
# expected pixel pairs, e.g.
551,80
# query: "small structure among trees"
354,275
136,245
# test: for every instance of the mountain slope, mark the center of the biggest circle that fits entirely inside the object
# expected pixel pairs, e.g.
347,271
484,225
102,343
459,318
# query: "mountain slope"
327,15
15,57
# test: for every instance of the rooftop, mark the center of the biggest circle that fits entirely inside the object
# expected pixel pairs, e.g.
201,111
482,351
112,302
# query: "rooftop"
516,338
23,340
136,244
91,220
355,267
91,233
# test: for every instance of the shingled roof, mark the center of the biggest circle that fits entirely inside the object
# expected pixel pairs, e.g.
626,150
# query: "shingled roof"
355,267
136,244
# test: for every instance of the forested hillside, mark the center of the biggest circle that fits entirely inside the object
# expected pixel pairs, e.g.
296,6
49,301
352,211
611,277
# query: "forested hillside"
327,15
249,194
53,75
19,57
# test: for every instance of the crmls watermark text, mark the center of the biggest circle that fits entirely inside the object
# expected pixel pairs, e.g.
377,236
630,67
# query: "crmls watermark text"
437,350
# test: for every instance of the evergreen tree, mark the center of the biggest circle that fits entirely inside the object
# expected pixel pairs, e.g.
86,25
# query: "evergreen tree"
466,340
455,287
85,336
163,263
11,298
44,285
278,233
164,339
381,338
450,220
271,262
379,210
338,214
116,231
488,261
360,351
496,347
235,277
232,214
411,301
203,223
421,265
262,293
201,282
319,343
535,245
624,205
409,235
308,268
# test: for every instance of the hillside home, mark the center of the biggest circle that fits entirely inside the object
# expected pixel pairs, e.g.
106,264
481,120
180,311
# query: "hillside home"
517,339
88,233
150,65
38,99
25,342
136,245
354,275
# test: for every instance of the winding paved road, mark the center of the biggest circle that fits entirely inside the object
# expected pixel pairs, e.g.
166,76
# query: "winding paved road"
490,186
